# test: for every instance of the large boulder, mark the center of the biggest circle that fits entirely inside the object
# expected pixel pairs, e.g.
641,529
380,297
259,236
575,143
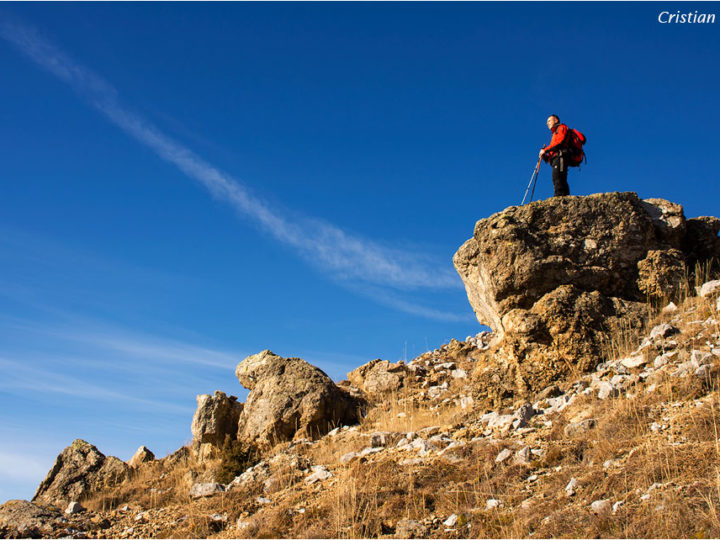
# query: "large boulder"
216,417
557,279
289,398
79,470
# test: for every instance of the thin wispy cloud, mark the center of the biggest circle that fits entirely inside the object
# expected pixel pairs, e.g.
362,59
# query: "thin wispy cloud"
345,256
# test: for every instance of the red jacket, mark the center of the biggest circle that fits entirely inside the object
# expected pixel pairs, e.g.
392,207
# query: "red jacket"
559,132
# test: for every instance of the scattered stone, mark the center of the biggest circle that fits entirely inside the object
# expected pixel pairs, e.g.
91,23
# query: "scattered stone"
572,487
523,456
633,361
710,288
617,505
263,500
503,455
206,489
670,308
662,331
458,374
320,472
607,390
578,428
451,521
491,504
349,457
602,506
410,528
74,508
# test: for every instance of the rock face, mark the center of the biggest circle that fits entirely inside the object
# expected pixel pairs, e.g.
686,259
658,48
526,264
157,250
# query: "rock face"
79,470
215,418
289,398
555,278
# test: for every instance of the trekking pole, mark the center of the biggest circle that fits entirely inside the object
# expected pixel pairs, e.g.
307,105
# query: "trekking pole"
533,179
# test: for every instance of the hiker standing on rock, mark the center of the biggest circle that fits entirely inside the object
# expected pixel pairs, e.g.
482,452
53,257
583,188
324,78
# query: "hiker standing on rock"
565,150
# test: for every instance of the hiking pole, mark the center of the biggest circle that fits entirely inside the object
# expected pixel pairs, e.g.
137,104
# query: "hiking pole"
533,179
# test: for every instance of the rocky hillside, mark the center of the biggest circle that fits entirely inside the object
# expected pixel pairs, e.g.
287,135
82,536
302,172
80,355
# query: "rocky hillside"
591,409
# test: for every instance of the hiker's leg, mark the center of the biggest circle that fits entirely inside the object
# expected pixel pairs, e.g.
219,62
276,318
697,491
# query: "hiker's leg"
559,177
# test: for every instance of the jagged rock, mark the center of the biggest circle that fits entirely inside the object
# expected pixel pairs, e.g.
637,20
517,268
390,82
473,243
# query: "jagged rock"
79,470
290,398
216,417
23,519
319,473
504,454
661,331
143,455
74,508
555,279
378,376
572,487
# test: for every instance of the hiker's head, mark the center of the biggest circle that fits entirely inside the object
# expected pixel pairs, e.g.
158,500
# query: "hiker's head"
552,121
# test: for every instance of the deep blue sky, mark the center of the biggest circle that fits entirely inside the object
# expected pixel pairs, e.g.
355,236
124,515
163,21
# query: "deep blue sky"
126,288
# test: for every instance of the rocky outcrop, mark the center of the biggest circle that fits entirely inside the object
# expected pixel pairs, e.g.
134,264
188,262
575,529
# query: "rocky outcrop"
556,278
79,470
142,455
379,376
289,398
216,417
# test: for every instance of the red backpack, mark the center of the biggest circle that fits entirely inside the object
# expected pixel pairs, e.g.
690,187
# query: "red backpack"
574,141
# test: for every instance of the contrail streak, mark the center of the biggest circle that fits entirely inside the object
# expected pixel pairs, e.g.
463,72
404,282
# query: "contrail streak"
343,255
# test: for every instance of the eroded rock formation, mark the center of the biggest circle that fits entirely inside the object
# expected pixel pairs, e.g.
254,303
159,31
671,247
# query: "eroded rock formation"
289,398
215,418
556,280
78,471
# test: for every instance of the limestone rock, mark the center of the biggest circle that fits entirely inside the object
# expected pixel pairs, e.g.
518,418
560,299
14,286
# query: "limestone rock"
555,279
143,455
215,418
23,519
79,470
662,273
74,508
290,398
206,489
378,376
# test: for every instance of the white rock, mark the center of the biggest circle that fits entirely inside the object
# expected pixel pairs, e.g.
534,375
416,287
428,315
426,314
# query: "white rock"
618,504
699,358
74,508
458,374
206,489
717,304
451,521
466,401
263,500
503,455
710,288
348,457
334,431
320,472
491,504
523,455
703,371
606,390
662,331
371,450
412,461
670,308
601,506
660,361
633,361
572,487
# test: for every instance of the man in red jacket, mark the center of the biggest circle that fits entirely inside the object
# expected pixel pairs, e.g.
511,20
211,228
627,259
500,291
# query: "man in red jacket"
554,155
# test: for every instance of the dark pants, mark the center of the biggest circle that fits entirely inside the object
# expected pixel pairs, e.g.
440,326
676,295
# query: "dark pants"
559,175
